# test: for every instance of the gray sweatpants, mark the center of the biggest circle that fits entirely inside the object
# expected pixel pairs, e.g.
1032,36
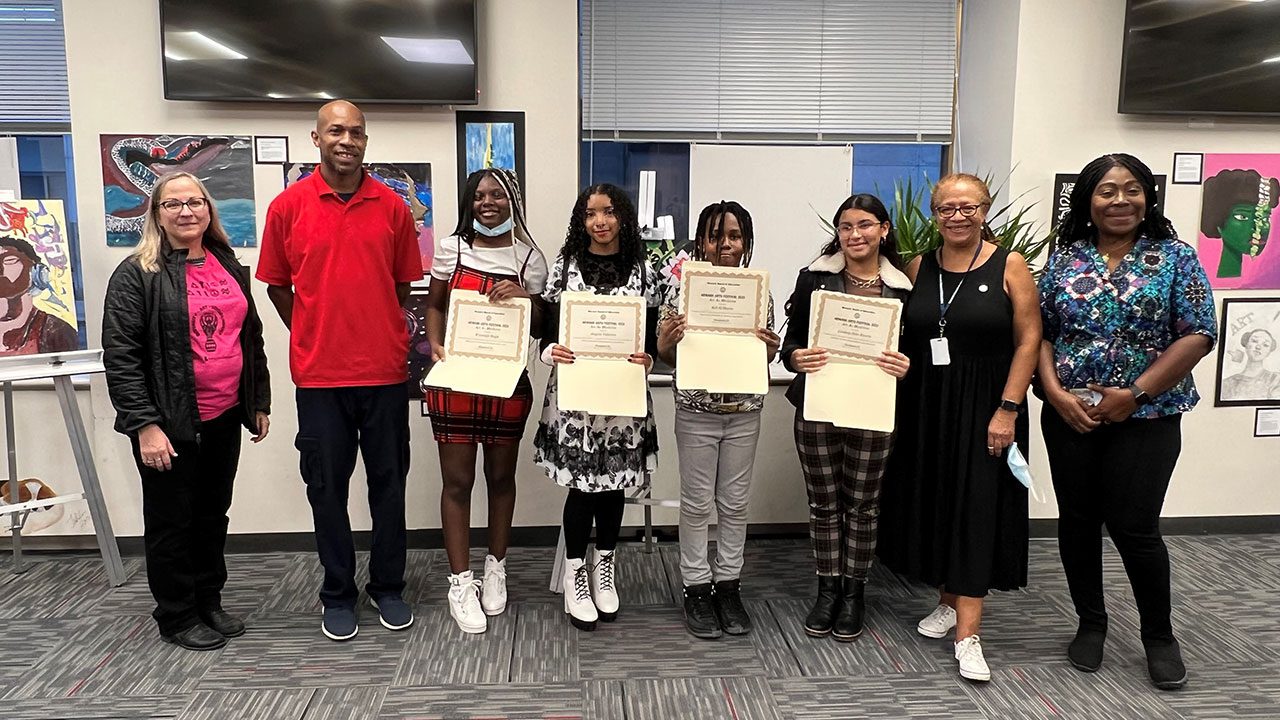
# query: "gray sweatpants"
716,456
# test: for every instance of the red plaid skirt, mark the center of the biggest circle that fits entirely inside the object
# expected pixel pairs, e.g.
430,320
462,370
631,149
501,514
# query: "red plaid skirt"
459,417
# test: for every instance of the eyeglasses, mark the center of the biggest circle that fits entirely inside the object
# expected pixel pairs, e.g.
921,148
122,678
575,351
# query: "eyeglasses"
946,212
195,205
863,227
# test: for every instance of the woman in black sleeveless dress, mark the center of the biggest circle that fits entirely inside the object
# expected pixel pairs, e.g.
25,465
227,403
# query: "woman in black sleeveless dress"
952,514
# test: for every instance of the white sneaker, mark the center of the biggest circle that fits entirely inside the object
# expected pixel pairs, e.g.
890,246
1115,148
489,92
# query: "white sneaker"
464,603
972,665
577,595
493,591
938,623
603,587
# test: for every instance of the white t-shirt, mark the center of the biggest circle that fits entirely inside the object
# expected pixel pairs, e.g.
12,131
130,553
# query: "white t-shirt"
497,261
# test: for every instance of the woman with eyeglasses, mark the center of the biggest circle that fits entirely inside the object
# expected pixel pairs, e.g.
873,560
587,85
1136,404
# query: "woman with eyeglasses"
953,515
843,467
186,371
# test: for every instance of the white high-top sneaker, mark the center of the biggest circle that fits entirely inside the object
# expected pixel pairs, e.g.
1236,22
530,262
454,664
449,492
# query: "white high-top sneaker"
603,585
577,595
973,666
493,591
464,603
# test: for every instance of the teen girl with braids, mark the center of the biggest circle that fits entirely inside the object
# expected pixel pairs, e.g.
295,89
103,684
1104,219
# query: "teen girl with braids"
491,252
716,435
597,457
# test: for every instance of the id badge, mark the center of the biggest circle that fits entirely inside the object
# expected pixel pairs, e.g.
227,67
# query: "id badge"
941,351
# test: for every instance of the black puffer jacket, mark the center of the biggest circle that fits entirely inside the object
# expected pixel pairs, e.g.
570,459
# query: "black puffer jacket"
146,342
826,273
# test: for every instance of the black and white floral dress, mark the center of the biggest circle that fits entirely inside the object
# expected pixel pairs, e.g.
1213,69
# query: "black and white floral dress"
594,453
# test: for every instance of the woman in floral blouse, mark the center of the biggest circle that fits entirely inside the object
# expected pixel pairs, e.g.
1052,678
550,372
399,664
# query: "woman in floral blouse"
598,457
1127,314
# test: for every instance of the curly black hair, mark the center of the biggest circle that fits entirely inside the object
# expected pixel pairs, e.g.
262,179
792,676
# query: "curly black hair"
711,224
1078,222
630,244
1232,187
21,246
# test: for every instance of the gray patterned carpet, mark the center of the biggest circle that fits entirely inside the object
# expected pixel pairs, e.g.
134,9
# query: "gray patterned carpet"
72,648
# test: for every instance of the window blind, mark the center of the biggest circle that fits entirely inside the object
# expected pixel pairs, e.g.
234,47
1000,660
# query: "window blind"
33,67
805,70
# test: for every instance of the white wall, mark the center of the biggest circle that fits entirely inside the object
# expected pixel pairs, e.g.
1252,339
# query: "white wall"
1068,79
528,62
1060,114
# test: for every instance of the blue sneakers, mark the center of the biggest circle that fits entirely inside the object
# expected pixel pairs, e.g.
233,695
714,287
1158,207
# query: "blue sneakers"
393,612
340,623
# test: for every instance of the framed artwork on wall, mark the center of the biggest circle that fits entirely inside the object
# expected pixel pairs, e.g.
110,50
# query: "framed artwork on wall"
1239,207
1248,364
491,139
133,164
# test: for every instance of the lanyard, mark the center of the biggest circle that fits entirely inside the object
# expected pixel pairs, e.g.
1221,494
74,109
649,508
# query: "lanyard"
945,305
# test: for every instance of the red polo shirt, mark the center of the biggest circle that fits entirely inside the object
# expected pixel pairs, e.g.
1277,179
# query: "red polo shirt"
343,261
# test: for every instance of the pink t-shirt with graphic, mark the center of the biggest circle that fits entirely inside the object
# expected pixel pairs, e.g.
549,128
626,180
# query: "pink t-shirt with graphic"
218,309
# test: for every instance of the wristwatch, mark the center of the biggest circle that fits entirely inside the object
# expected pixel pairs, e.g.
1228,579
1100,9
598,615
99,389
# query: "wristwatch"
1009,406
1140,396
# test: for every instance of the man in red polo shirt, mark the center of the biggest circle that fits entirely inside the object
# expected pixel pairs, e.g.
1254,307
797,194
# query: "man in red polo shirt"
338,252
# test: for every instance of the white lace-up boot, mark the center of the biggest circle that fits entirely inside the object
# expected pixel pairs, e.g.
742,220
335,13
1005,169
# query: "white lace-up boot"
464,603
603,583
577,595
493,591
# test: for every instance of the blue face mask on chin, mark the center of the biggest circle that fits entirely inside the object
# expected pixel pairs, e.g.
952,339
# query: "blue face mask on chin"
502,229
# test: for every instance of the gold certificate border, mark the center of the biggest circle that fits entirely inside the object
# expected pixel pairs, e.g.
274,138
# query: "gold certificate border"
570,305
761,303
457,303
826,295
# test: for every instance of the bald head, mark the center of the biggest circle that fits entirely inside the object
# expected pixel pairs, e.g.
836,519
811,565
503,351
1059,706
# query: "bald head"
341,138
338,110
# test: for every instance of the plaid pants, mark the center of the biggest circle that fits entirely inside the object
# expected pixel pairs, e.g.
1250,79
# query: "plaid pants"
842,472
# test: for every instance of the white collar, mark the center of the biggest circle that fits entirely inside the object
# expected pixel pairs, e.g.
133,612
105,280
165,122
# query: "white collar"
889,275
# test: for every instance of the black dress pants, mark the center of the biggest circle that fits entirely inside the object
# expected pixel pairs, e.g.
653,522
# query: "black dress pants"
184,515
1115,476
333,423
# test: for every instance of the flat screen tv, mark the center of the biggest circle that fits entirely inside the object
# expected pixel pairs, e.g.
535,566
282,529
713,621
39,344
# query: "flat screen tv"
392,51
1201,57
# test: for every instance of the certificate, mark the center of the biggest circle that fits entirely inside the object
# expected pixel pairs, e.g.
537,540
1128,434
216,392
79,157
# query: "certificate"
724,300
854,327
720,352
602,332
485,347
851,390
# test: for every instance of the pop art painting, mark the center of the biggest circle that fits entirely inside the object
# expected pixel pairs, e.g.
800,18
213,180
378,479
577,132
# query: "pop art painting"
37,297
132,164
1238,216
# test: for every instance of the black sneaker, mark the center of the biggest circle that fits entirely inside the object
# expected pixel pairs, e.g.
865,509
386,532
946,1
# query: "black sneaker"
196,637
699,615
729,608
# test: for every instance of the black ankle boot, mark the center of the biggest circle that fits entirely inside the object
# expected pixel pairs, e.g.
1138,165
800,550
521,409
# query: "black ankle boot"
1085,650
848,624
729,608
1164,664
820,619
699,615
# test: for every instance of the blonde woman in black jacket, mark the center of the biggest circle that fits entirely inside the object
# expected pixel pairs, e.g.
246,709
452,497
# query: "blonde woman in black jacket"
843,466
186,372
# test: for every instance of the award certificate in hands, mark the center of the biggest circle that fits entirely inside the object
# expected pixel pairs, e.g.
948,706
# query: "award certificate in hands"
851,390
602,332
486,345
720,351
